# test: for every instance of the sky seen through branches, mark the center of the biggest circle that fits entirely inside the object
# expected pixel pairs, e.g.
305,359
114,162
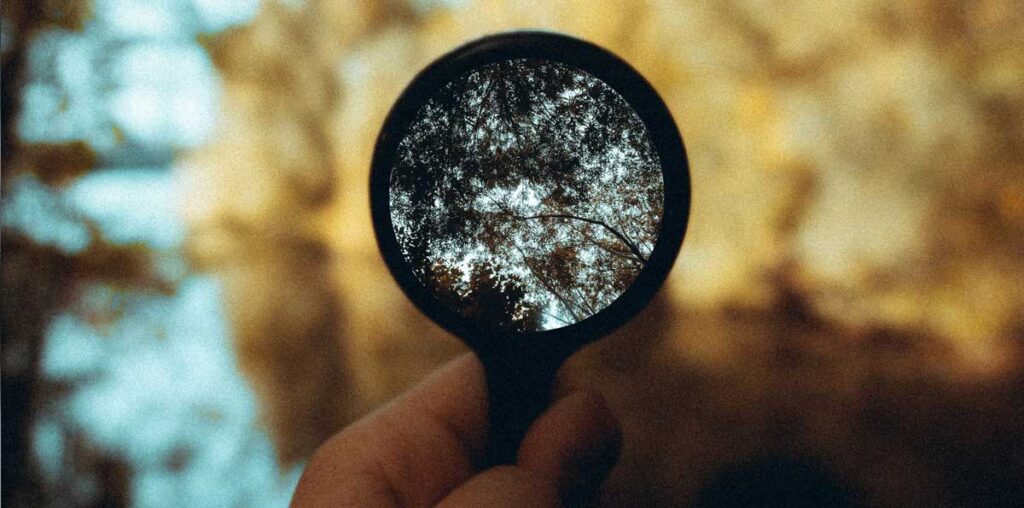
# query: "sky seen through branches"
526,195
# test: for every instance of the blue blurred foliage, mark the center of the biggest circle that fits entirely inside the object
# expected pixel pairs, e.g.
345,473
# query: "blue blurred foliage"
140,374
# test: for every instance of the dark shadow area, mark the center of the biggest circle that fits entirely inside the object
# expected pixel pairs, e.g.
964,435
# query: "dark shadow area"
775,482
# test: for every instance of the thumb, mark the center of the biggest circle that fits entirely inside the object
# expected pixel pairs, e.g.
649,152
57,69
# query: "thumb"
564,458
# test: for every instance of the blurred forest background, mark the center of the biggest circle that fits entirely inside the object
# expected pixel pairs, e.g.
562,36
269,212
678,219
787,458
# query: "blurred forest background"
193,300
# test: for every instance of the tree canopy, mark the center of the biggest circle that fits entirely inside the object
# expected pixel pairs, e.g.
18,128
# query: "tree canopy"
526,194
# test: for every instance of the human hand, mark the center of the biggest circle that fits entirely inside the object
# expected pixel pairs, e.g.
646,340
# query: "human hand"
421,449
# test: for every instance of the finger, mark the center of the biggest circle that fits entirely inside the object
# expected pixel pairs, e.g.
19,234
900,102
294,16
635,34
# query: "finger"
505,486
411,452
576,444
566,454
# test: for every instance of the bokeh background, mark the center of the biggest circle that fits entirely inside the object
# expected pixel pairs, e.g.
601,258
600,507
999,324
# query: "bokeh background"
193,300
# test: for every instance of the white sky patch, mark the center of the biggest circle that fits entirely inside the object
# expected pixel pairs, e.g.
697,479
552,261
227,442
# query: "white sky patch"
554,317
167,93
571,93
37,211
131,205
466,264
523,196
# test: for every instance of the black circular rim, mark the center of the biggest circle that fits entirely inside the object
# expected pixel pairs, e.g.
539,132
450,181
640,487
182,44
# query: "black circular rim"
637,92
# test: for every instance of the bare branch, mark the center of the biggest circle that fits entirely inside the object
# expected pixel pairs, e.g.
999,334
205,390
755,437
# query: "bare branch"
632,246
543,281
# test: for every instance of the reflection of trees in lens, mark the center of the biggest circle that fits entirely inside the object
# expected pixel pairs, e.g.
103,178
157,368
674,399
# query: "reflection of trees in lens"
527,195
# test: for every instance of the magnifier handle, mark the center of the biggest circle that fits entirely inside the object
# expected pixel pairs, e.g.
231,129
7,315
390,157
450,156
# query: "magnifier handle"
517,393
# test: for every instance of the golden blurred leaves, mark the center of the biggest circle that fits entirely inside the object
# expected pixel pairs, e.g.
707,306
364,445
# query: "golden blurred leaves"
863,156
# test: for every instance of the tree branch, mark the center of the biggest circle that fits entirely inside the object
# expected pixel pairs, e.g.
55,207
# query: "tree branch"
626,241
544,282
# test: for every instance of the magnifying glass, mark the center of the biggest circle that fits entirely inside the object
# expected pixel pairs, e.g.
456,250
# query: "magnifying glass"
529,192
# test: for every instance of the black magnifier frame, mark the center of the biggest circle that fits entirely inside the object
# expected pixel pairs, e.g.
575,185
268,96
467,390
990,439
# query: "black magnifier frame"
521,365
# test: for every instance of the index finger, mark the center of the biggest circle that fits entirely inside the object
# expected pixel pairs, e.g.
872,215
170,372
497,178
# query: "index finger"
411,452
